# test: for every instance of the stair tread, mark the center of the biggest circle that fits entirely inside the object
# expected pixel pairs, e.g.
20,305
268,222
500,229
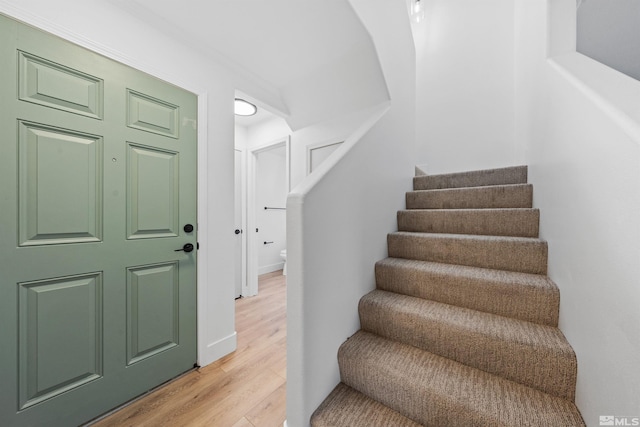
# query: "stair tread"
474,321
465,271
474,237
535,355
530,297
487,238
434,390
524,254
471,210
478,178
472,188
494,196
521,222
347,407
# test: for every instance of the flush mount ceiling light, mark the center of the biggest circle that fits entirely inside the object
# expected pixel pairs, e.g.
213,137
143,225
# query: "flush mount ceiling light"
244,108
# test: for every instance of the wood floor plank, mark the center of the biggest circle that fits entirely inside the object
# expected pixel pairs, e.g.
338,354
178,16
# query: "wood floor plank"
266,356
280,366
246,388
271,412
230,403
243,423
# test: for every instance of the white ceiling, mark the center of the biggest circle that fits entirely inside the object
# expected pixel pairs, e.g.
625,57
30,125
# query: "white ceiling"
277,39
307,51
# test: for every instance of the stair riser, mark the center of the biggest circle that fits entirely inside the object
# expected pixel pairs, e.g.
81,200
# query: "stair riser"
401,393
463,287
350,408
505,176
488,222
523,255
435,391
542,360
510,196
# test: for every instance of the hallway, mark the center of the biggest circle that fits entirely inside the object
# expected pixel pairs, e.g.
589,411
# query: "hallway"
247,388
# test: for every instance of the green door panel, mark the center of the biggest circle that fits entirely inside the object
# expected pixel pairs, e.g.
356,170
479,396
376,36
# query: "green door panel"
60,338
54,85
60,182
98,179
152,115
152,310
153,192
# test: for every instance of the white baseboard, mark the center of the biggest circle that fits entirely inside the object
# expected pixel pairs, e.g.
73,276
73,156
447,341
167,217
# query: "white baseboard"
269,268
218,349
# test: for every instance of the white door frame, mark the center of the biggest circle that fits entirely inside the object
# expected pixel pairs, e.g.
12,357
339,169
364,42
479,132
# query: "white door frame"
243,221
252,247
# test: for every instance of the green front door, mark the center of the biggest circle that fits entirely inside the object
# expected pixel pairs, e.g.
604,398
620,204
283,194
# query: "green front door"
97,192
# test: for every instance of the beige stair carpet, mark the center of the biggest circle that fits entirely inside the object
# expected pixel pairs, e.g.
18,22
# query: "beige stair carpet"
462,328
531,297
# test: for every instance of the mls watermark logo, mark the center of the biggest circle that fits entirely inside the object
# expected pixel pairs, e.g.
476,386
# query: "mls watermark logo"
606,420
612,420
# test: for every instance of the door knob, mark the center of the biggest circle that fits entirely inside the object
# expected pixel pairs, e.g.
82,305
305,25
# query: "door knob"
188,247
237,231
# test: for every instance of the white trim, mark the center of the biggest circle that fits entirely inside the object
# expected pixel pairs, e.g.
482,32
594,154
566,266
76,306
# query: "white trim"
271,268
252,249
613,92
20,14
243,220
317,146
220,348
203,226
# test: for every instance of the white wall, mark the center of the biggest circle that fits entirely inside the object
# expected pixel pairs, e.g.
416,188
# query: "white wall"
608,32
271,191
92,24
241,138
329,131
267,131
354,79
579,130
465,85
338,217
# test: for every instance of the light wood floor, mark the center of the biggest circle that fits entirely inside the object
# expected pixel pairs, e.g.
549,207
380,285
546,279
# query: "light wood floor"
244,389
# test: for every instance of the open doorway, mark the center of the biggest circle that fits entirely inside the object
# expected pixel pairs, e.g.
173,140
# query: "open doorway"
268,186
270,205
262,164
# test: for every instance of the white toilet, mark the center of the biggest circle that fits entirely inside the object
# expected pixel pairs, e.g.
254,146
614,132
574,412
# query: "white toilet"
283,255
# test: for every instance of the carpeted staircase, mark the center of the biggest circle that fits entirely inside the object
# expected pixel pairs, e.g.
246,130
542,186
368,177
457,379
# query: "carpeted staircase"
462,328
